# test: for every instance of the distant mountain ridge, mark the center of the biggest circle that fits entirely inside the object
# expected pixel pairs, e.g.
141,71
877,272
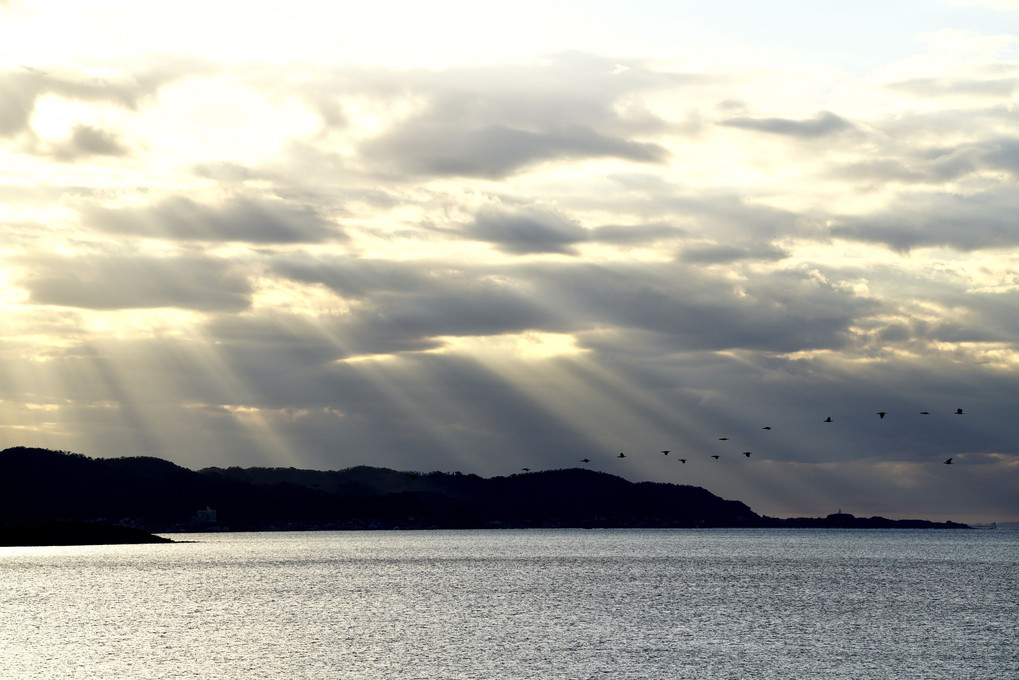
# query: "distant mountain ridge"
157,495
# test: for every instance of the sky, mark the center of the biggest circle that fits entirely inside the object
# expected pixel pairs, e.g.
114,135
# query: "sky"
459,237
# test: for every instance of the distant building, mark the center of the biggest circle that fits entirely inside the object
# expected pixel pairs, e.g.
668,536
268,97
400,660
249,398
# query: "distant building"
206,516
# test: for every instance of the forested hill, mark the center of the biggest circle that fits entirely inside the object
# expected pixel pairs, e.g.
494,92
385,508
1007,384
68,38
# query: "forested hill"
154,494
39,484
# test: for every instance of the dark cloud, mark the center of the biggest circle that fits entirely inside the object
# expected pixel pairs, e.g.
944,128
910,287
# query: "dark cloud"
406,306
1004,155
635,234
494,151
780,312
480,311
527,230
240,219
86,141
362,278
821,125
128,282
493,121
966,223
389,323
687,308
936,165
714,253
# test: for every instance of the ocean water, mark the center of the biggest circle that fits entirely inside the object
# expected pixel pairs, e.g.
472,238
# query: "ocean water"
518,604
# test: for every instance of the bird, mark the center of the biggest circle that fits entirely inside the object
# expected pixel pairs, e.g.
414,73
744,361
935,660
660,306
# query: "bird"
766,427
948,462
828,419
585,460
665,452
882,414
621,455
682,460
925,413
959,412
715,457
723,439
746,453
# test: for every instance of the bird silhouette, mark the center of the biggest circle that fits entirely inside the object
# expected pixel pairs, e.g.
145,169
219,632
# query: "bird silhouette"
959,412
585,460
948,462
682,460
766,427
665,452
723,439
925,413
828,419
621,455
882,414
746,453
715,457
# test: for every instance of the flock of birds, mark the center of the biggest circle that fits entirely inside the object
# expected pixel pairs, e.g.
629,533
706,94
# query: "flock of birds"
880,414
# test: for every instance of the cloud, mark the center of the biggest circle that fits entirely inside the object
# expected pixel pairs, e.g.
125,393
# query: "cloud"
224,171
23,87
411,304
779,312
494,121
362,278
935,165
714,253
86,141
527,230
136,281
927,87
240,219
400,307
1004,155
495,151
635,234
967,223
823,124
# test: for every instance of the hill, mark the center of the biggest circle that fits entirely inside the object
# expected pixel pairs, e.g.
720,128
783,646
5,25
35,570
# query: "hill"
154,494
159,496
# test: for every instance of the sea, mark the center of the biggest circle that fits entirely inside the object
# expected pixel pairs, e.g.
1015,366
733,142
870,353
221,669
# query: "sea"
494,604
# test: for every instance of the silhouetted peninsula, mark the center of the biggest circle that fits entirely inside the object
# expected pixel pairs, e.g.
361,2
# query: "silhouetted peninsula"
73,533
159,496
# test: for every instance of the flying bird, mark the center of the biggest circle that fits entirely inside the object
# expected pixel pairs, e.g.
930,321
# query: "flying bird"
665,452
828,419
959,412
746,453
621,455
925,413
585,460
723,439
948,462
766,427
882,414
682,460
715,457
